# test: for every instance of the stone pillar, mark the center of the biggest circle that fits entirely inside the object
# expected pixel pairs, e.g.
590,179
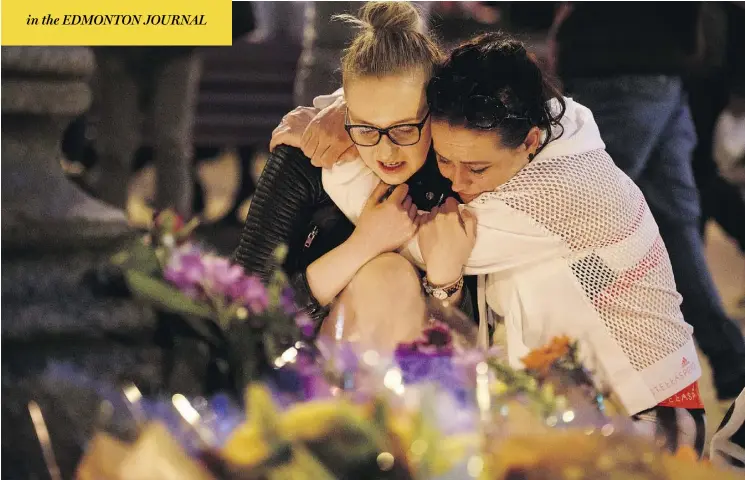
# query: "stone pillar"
43,89
64,345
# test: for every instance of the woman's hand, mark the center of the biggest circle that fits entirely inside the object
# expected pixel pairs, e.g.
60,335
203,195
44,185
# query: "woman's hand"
325,140
387,221
292,127
446,238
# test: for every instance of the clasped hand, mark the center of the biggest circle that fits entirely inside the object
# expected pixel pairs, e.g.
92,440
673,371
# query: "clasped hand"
387,221
446,238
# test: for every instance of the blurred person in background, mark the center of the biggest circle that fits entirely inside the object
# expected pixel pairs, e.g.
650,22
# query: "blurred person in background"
717,97
145,89
279,21
727,145
323,43
625,61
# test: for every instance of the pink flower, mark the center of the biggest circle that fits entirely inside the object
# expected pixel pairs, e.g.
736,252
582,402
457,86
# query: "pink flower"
287,301
250,292
186,271
304,322
220,275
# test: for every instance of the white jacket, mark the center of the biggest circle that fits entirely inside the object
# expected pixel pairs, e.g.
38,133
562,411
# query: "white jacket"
568,246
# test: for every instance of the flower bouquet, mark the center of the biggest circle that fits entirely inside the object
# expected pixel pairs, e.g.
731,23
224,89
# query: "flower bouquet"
398,430
206,303
324,410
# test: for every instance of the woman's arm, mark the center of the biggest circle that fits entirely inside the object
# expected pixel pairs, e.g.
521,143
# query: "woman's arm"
288,193
386,222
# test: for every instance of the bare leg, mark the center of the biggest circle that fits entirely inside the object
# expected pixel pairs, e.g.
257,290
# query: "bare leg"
382,305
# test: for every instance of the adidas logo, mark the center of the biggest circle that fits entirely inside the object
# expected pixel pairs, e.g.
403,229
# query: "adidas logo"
685,362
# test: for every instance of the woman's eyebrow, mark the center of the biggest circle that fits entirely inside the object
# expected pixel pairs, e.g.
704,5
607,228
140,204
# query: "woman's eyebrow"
372,124
465,163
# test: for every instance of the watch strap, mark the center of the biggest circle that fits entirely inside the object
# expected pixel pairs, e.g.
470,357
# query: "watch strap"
442,292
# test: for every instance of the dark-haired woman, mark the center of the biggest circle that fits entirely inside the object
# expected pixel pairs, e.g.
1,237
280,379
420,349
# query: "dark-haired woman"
565,242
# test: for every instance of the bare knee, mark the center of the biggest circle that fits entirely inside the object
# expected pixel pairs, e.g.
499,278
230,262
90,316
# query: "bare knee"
383,304
389,273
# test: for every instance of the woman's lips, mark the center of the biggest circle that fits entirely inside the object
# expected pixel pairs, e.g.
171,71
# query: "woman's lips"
391,167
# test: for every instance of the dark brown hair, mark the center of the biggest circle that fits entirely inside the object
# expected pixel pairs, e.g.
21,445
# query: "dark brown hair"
497,67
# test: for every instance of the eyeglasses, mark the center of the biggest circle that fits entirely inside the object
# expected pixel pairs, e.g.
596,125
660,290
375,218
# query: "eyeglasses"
480,111
403,134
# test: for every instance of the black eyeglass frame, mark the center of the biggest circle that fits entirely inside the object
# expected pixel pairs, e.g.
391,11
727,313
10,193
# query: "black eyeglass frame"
385,131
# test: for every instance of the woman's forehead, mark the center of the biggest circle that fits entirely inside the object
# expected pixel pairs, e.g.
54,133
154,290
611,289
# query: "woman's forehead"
461,143
382,102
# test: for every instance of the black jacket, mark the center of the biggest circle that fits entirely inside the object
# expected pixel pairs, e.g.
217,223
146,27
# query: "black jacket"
290,207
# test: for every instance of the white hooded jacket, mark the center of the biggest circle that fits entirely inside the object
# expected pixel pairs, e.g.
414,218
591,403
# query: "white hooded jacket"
568,246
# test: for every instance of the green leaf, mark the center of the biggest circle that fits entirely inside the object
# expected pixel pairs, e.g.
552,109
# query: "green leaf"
165,296
139,257
186,231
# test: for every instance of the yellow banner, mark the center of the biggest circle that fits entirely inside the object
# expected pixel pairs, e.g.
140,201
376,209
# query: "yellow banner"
109,22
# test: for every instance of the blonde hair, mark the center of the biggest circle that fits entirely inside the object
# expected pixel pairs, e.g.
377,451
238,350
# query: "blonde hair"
392,39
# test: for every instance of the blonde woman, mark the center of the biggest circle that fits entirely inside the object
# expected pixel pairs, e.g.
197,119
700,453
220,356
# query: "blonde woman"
385,71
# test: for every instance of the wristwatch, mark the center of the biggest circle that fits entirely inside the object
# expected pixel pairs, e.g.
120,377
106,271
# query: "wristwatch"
444,292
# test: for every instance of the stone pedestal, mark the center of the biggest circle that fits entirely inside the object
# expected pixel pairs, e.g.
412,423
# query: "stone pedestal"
43,89
63,343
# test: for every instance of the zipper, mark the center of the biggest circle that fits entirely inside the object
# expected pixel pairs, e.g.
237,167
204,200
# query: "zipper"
311,236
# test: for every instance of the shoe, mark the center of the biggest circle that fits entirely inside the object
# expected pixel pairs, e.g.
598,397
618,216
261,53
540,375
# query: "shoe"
729,382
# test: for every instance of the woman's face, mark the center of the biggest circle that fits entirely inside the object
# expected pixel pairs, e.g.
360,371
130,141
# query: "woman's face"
383,103
475,160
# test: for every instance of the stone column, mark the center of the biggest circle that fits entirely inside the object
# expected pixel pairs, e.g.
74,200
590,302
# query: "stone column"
64,345
43,89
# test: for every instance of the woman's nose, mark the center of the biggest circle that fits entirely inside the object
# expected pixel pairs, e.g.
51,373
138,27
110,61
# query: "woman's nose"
459,180
385,149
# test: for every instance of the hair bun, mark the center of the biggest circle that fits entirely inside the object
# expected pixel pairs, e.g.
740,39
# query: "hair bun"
401,16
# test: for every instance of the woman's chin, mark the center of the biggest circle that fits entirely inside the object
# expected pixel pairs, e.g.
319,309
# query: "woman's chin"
395,178
468,197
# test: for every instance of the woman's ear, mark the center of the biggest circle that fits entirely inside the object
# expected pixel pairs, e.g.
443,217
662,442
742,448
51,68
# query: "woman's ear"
532,139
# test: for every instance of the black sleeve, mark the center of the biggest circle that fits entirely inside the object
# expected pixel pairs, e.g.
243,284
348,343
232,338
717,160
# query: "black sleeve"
286,196
281,207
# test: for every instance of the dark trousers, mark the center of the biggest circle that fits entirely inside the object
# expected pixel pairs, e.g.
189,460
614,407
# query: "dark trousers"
134,96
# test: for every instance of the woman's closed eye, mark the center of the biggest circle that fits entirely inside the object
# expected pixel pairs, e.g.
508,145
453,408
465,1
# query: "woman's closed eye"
476,171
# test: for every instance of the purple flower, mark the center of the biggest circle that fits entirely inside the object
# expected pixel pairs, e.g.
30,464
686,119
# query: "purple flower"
304,322
287,301
220,275
250,292
436,341
438,335
186,271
